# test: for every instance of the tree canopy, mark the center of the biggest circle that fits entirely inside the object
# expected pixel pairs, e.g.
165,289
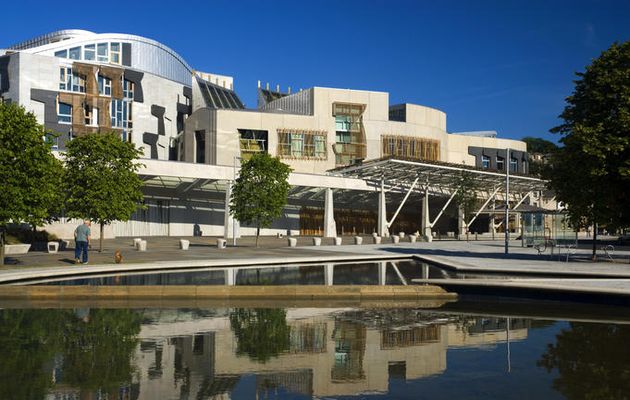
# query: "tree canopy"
100,181
539,145
591,171
29,172
260,192
466,196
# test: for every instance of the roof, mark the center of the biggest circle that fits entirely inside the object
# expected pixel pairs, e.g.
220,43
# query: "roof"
397,172
218,97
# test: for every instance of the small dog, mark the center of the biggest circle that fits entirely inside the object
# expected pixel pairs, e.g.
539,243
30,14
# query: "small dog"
118,258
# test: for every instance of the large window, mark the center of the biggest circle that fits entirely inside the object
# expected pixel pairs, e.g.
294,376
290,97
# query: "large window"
302,144
89,52
64,113
350,143
120,112
75,53
91,115
252,142
102,52
61,53
70,81
104,86
114,53
200,147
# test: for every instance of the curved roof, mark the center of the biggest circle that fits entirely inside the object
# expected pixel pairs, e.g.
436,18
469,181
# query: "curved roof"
147,54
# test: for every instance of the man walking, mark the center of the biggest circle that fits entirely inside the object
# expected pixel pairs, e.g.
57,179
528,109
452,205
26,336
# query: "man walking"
82,240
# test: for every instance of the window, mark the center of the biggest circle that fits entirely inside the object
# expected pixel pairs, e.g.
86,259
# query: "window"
513,165
89,52
64,113
302,144
252,142
120,111
296,140
410,147
75,53
102,52
128,89
485,162
114,53
61,53
91,115
65,78
104,86
200,147
500,163
78,83
343,123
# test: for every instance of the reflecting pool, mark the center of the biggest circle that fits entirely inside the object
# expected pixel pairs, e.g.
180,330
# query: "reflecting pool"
92,353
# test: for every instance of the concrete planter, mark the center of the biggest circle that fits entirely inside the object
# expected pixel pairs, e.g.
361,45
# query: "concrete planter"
221,244
402,235
358,240
53,247
292,242
377,239
16,249
337,241
183,244
142,245
317,241
135,242
413,238
395,239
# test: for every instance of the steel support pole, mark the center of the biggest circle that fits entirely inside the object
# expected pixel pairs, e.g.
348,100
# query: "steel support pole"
330,227
426,221
506,227
382,211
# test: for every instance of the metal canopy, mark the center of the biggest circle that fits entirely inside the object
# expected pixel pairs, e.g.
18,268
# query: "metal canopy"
441,177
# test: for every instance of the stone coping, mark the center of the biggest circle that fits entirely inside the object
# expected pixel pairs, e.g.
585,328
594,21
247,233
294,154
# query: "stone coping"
353,293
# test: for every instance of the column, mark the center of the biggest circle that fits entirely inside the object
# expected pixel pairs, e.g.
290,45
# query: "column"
330,227
329,271
382,212
230,276
425,225
382,272
230,225
461,223
492,226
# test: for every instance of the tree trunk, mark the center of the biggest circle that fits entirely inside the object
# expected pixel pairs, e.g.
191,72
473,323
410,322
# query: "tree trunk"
257,234
594,255
1,246
100,240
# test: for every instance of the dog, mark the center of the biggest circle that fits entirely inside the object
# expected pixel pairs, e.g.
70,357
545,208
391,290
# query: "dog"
118,258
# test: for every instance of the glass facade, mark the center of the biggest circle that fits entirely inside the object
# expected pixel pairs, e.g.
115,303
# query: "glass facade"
302,144
350,143
102,52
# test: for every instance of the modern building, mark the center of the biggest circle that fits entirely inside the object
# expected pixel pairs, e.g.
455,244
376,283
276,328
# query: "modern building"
195,125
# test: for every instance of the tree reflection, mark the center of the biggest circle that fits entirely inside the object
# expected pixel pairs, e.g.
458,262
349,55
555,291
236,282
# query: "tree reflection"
592,361
86,350
98,348
260,333
29,340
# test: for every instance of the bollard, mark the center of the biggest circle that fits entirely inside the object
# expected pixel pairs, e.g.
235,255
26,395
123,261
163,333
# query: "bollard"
183,244
317,241
142,245
53,247
358,240
292,242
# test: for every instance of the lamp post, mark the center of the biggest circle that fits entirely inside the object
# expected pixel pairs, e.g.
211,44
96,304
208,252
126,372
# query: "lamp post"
234,220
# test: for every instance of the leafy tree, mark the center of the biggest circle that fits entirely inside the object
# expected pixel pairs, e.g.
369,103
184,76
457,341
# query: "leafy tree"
542,147
100,179
591,172
466,196
260,192
591,360
261,333
29,172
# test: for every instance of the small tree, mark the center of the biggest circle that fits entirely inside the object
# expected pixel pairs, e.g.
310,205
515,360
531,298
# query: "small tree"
466,196
29,172
260,192
100,179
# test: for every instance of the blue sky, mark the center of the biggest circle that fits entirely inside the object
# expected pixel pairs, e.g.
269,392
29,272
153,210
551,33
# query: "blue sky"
490,65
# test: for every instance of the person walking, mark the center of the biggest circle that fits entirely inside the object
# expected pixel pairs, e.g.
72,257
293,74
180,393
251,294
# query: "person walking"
82,240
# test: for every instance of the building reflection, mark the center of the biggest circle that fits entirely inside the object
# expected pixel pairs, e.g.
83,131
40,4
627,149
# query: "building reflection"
329,353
